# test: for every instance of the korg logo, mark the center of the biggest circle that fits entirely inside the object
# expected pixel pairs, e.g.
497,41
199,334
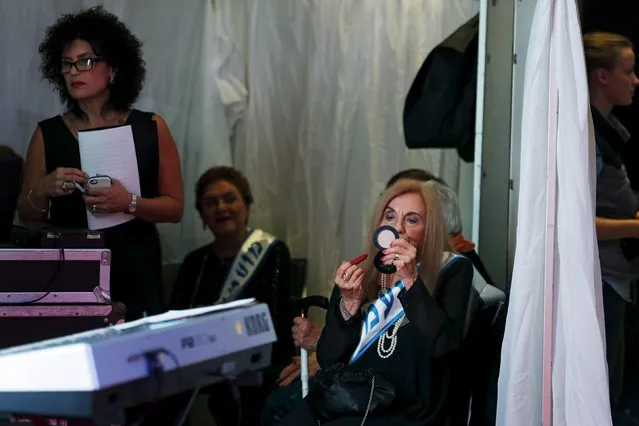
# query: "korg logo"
256,324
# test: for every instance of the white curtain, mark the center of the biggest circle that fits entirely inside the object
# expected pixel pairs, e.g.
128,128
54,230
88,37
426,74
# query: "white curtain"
191,81
325,82
555,231
323,129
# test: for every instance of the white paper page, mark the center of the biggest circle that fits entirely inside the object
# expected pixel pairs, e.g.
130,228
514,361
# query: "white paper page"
110,152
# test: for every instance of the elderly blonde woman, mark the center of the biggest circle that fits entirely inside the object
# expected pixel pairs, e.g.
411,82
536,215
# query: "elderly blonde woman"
404,327
483,339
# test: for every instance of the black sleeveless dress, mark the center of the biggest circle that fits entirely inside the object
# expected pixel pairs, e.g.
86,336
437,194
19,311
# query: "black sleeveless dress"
136,258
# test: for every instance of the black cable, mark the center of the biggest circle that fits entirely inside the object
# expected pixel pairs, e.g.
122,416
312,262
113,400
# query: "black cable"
185,414
154,368
235,391
46,289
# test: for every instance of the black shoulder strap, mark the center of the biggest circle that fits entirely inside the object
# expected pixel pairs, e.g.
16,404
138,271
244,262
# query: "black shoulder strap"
137,116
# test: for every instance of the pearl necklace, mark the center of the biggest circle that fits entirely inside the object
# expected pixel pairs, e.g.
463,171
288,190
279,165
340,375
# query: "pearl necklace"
382,351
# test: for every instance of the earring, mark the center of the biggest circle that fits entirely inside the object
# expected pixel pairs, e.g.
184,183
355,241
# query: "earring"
111,79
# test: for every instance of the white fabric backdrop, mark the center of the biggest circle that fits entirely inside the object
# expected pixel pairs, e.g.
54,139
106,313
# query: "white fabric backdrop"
322,133
325,82
558,142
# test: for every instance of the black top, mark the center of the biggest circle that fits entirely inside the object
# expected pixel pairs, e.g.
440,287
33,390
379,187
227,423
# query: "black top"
420,367
615,200
136,260
270,284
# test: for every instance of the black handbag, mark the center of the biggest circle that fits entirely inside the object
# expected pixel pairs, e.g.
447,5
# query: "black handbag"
346,391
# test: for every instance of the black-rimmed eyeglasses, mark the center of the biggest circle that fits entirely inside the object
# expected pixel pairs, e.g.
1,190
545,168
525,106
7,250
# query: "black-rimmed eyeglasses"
84,64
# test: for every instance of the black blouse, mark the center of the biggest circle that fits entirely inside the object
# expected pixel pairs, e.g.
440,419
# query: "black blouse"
136,255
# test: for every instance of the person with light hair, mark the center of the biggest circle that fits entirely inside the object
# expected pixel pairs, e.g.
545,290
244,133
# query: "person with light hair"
610,63
398,330
451,211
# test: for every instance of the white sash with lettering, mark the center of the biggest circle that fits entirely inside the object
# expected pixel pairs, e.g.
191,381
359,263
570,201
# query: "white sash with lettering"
379,315
246,262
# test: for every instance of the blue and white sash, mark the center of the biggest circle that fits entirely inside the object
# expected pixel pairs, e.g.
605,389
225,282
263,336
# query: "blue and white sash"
379,315
382,313
254,250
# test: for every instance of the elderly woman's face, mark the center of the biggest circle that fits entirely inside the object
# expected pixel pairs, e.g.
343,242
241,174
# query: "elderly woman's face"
223,208
407,214
85,73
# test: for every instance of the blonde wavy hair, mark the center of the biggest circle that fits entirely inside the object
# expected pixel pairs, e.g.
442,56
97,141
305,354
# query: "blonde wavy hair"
433,244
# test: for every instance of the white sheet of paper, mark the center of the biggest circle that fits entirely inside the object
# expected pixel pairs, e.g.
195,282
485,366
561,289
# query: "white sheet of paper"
110,152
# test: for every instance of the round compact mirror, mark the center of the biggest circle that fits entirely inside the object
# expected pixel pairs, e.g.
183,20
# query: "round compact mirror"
384,236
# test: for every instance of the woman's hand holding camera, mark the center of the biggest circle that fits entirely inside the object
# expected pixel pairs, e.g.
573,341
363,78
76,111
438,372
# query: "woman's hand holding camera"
403,255
59,182
349,280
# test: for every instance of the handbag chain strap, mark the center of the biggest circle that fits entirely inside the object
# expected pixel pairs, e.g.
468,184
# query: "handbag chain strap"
370,400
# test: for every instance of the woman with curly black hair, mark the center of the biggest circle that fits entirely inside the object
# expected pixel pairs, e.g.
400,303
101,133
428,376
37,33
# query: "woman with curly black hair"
95,63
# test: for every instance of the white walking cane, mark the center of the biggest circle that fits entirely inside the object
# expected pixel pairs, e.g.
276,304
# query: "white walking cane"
304,369
303,305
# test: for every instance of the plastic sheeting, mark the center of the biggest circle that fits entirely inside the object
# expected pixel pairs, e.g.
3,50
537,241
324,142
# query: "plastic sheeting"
191,81
556,234
322,133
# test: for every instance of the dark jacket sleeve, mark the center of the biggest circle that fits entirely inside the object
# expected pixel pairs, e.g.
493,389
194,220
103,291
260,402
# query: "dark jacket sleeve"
184,283
441,318
339,337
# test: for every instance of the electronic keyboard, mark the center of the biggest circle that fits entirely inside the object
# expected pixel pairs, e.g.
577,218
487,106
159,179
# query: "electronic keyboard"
97,374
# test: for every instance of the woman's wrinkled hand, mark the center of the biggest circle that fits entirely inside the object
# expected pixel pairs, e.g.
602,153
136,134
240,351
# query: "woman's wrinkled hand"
305,333
349,279
403,255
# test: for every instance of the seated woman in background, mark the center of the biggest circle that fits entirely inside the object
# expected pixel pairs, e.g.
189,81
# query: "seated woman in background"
411,348
239,263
